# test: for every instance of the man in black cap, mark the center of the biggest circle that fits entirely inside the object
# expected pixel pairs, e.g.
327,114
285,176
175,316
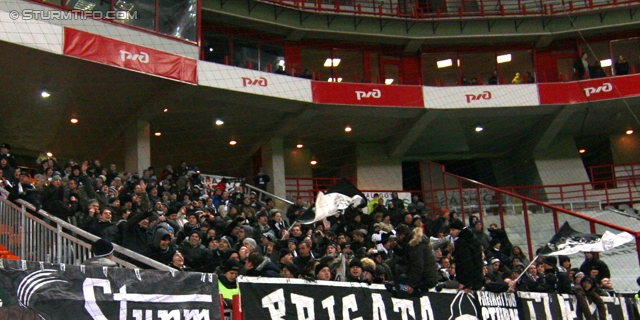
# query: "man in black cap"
354,273
554,281
494,251
285,258
290,271
323,272
227,284
25,190
102,254
4,152
467,255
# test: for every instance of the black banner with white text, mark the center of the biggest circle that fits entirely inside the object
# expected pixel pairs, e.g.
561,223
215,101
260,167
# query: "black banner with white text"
296,299
30,290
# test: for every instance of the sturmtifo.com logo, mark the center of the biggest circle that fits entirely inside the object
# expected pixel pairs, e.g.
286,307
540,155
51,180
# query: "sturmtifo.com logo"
29,14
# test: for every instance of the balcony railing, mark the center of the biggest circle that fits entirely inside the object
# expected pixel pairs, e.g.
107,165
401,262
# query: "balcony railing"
427,9
529,223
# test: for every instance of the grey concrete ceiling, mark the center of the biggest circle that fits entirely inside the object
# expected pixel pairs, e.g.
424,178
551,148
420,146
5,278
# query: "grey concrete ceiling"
108,102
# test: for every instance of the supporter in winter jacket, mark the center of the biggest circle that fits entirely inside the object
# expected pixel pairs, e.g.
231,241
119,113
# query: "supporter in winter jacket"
417,260
591,262
194,253
162,249
259,266
587,291
467,255
478,230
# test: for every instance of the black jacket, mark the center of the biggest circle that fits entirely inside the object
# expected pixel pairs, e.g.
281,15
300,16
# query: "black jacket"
595,263
194,256
135,237
162,256
265,269
102,229
468,258
418,261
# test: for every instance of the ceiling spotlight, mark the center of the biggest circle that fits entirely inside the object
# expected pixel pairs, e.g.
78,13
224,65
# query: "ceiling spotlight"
165,110
347,129
629,131
332,62
299,146
313,162
157,134
582,150
74,120
479,128
233,142
45,94
49,154
388,81
219,122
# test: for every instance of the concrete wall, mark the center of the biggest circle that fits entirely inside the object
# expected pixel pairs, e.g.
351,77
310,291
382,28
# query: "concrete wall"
560,163
297,163
376,171
625,148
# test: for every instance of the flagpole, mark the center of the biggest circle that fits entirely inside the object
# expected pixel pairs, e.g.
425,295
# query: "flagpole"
527,268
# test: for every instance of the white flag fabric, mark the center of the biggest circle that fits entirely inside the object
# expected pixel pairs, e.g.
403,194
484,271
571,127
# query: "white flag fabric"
568,241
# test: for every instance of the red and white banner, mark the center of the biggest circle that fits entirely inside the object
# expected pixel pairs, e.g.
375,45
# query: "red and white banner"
125,55
589,90
367,94
252,81
487,96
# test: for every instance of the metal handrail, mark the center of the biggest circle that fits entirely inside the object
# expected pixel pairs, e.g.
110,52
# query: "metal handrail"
116,248
256,189
544,204
59,234
451,9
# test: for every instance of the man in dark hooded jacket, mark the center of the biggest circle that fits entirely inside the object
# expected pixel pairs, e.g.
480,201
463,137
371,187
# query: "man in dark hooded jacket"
259,266
418,260
591,262
162,249
467,255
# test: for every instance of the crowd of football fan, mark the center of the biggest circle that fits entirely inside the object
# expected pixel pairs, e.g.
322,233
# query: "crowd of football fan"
171,218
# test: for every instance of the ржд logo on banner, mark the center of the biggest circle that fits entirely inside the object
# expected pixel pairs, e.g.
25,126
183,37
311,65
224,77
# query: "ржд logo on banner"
142,56
129,56
367,94
485,95
375,93
262,81
480,96
605,87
